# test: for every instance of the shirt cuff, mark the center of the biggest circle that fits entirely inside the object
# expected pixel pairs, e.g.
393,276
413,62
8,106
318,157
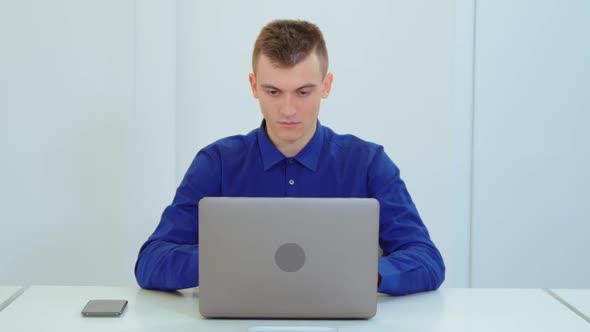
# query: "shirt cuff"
389,279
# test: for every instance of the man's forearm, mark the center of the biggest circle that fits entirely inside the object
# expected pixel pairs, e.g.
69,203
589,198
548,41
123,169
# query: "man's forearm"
412,270
167,266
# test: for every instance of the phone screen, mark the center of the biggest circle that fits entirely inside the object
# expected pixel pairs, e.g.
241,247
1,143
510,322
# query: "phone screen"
104,308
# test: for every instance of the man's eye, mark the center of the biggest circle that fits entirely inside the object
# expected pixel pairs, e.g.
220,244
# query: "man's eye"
272,92
304,93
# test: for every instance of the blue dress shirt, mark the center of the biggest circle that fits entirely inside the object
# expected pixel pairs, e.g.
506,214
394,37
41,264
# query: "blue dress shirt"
330,165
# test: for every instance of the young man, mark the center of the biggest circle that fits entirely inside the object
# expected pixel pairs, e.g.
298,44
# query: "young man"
293,155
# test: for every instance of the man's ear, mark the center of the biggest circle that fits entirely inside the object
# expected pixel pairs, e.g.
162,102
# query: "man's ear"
327,85
252,79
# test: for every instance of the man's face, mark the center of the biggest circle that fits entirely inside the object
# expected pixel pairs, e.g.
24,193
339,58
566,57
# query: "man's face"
290,99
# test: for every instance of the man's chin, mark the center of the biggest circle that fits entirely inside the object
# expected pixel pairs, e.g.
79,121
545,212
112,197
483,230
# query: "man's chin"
289,137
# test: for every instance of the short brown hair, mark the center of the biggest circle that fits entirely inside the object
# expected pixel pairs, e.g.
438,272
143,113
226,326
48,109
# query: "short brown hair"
288,42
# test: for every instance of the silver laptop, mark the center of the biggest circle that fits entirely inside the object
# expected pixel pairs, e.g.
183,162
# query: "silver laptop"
288,257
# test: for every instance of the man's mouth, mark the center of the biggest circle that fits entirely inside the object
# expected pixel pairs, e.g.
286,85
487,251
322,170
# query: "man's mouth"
288,124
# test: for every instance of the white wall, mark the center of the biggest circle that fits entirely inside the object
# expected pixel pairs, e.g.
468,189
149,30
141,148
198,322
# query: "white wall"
85,166
393,67
531,161
104,103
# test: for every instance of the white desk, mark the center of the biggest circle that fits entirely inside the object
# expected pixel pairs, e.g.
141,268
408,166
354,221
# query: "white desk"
53,308
577,299
7,294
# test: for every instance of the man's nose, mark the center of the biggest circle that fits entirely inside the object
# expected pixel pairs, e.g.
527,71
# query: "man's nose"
288,108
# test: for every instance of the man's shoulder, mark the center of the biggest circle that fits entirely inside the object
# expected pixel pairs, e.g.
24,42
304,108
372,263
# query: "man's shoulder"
232,144
349,142
349,148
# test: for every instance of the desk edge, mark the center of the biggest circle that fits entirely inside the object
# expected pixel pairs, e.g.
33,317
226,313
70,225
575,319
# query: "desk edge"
567,304
13,297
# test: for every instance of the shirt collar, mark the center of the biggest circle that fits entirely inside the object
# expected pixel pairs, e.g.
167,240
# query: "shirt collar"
308,156
270,154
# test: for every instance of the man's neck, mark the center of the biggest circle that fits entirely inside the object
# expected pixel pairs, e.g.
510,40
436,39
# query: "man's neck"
292,148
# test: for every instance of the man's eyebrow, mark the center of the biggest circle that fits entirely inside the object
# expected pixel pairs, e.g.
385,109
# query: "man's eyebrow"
308,85
268,86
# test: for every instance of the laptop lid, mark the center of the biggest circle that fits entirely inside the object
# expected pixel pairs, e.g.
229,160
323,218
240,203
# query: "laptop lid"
288,257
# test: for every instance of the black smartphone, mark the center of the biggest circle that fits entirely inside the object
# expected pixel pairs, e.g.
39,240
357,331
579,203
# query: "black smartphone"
104,308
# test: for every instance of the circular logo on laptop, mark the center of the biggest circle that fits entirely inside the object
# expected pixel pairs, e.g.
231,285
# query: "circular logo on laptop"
290,257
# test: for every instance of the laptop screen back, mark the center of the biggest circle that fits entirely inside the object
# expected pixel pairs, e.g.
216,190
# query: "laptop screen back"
288,257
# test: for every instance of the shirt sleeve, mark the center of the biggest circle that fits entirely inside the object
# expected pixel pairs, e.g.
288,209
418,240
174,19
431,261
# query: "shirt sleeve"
411,263
169,259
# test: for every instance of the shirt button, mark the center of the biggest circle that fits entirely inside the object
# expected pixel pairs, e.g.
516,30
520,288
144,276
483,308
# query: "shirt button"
291,182
290,160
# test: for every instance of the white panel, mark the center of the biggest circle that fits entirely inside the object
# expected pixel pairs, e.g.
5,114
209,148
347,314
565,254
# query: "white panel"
67,83
394,78
87,165
531,184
